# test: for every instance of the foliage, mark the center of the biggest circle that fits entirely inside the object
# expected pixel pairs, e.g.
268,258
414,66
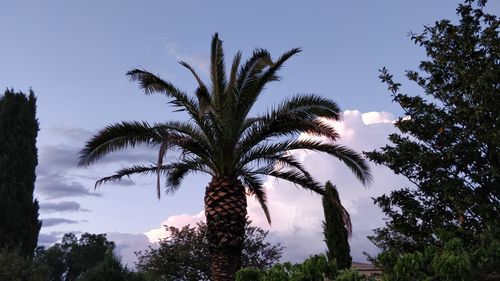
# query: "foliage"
15,267
248,274
336,228
184,254
450,262
110,269
315,268
70,258
278,272
223,140
449,148
19,225
351,275
55,259
257,252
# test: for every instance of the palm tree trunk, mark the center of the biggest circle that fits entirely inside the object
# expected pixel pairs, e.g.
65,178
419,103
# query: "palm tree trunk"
225,211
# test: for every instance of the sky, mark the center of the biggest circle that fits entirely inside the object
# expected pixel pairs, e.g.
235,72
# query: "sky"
74,55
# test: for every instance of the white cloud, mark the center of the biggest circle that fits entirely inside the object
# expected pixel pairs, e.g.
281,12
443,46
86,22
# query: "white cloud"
127,244
375,117
297,214
178,221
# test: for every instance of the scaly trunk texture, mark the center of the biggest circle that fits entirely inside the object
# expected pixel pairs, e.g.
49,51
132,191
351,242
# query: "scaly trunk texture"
225,211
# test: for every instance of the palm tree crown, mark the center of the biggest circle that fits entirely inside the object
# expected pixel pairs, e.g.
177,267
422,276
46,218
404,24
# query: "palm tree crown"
221,139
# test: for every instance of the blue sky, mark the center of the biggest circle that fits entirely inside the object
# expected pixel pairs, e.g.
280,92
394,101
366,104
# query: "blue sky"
74,54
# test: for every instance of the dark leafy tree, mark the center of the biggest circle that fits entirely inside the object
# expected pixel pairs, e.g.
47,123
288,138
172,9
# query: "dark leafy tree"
184,255
336,228
111,269
73,256
84,253
257,252
55,259
19,225
16,267
222,140
449,148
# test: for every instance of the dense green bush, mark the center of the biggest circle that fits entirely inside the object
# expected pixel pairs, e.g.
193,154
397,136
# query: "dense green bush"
315,268
15,267
450,262
248,274
351,275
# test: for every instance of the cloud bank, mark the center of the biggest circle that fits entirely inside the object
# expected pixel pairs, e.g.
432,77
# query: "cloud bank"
48,222
63,206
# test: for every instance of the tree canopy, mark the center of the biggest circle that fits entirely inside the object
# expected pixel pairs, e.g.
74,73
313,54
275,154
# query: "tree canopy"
73,256
449,148
19,225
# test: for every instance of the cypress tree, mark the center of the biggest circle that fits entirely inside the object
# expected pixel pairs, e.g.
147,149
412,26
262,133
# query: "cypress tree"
336,228
19,224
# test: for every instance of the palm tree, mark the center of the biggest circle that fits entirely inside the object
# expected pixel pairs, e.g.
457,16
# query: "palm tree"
223,141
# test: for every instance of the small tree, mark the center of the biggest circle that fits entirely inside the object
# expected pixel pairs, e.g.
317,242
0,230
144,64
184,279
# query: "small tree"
336,228
19,225
184,254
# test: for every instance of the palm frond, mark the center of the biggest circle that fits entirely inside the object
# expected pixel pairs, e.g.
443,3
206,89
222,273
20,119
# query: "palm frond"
233,75
250,97
204,98
295,177
195,74
279,162
188,129
270,127
217,72
136,169
309,107
332,196
352,159
179,170
248,79
161,154
151,83
255,187
346,217
270,74
252,67
117,137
